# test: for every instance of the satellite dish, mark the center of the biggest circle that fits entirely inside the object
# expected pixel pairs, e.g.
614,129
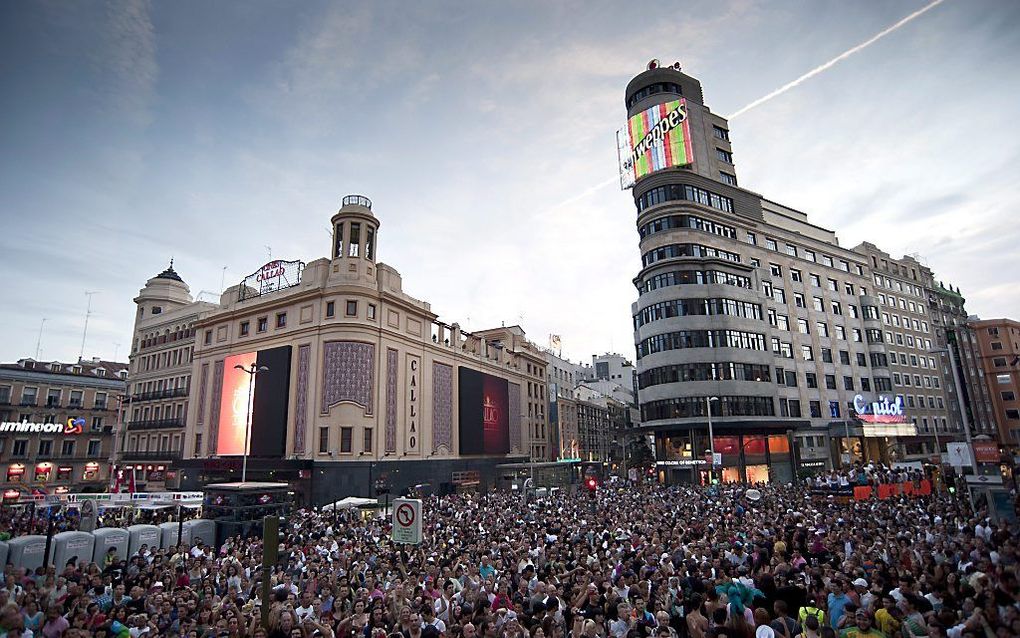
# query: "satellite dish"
753,495
654,64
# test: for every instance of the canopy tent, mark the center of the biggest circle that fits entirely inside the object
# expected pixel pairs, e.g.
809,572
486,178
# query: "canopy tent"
351,502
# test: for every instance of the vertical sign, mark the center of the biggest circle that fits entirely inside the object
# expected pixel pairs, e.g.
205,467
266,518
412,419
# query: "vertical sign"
407,521
413,404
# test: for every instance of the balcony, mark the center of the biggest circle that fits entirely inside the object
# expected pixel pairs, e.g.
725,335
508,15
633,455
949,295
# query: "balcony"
159,394
166,455
156,424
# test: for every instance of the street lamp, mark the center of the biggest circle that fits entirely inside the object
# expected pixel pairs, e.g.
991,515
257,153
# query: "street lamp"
711,438
963,415
247,417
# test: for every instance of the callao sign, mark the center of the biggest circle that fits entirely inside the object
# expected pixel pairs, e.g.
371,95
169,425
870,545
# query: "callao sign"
74,425
273,276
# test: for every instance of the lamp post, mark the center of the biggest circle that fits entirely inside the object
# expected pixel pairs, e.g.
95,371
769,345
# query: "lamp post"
963,416
247,416
711,438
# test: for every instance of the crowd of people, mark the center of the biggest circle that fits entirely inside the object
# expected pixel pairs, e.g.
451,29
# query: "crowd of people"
25,519
860,475
628,562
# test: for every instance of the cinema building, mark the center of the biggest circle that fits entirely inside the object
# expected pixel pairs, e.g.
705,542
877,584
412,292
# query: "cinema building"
351,385
748,309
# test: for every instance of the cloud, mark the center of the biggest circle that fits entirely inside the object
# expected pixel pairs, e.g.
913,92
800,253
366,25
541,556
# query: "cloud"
126,55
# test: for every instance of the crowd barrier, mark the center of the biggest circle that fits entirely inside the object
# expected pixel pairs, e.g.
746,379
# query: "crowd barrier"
28,551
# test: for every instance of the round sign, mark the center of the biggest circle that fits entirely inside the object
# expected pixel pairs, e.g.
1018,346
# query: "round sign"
405,515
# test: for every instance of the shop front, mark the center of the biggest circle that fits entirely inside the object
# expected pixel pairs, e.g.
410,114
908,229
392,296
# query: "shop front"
683,457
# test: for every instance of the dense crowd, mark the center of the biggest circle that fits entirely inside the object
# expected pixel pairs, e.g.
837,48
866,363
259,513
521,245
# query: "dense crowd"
27,519
637,562
860,475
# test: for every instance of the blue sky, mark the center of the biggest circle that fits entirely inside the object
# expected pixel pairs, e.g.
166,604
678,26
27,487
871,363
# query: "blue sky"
133,132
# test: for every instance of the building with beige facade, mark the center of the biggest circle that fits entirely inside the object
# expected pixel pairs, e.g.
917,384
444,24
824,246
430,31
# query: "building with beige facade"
351,385
57,423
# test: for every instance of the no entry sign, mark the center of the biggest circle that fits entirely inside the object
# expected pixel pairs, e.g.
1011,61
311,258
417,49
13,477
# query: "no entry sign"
407,521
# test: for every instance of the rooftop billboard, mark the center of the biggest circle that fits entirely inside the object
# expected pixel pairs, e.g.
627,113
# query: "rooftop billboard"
656,138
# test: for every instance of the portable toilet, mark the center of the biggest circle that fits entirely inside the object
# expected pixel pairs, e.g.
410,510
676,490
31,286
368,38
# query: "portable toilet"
139,535
4,550
76,546
200,529
27,551
169,534
107,537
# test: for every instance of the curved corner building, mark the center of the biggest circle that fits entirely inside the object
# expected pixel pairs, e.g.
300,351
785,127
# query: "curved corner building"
743,305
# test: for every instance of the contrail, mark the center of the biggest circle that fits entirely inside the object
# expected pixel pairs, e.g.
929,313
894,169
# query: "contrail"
842,56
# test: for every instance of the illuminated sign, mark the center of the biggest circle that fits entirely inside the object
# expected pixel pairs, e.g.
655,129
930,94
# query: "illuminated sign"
42,471
74,425
484,403
266,407
654,139
683,462
881,411
276,275
235,404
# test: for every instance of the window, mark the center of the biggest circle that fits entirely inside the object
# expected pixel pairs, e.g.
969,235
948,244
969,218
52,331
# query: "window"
345,439
827,260
844,357
830,381
798,300
993,332
810,255
724,156
791,378
834,409
837,308
76,399
100,401
816,409
827,355
858,339
67,448
367,440
262,324
833,285
352,308
840,333
806,353
281,320
1013,415
371,311
802,326
94,448
20,448
775,270
720,133
848,288
796,276
779,295
822,328
208,337
245,328
45,447
354,245
53,399
198,443
1002,378
818,304
853,311
848,383
783,322
726,178
1008,396
370,243
755,263
999,362
330,308
866,385
812,379
323,440
996,345
816,280
751,239
862,360
771,244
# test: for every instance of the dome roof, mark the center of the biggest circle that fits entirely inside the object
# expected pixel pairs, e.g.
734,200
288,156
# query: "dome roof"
169,273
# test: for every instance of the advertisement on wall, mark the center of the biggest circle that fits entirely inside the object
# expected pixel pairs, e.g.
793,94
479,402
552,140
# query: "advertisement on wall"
484,413
654,139
266,406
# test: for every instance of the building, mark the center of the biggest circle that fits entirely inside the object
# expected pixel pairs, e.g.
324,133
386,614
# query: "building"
159,382
350,385
57,423
998,345
747,309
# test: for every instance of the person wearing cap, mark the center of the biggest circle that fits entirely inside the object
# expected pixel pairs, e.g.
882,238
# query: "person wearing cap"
862,627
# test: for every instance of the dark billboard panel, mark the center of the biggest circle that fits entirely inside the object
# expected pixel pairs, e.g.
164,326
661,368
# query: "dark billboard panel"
268,403
484,413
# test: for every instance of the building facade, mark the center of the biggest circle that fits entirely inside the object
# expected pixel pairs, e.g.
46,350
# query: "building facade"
748,310
998,345
159,383
350,385
57,423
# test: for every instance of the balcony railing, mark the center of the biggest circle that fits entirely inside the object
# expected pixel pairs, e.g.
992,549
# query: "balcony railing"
156,424
159,394
166,455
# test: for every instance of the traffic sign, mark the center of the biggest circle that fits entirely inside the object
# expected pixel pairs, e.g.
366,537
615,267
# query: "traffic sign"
407,521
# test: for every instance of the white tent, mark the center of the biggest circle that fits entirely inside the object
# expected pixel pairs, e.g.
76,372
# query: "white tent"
351,502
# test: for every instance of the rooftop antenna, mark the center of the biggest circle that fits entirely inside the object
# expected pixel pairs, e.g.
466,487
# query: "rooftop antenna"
269,250
88,313
116,350
38,342
223,276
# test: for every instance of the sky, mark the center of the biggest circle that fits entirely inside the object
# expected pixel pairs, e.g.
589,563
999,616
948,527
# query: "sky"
484,133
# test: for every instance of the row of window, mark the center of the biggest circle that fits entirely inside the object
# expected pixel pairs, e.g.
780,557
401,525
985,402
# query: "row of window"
907,322
900,339
654,89
76,398
696,307
684,277
782,322
715,371
904,358
797,276
95,425
904,304
701,339
354,242
346,440
687,250
686,221
19,448
684,192
892,284
165,359
916,380
687,407
805,253
262,323
788,378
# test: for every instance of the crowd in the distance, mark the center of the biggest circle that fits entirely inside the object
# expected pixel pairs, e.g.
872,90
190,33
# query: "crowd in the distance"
871,474
635,562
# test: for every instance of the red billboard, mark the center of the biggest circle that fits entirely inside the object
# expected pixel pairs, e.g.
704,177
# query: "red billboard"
235,403
484,413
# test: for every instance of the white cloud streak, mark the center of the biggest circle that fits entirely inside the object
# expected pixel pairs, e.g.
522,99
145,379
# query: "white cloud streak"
842,56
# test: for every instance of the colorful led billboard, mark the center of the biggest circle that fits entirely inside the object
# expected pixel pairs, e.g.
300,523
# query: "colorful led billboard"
484,413
266,406
654,139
